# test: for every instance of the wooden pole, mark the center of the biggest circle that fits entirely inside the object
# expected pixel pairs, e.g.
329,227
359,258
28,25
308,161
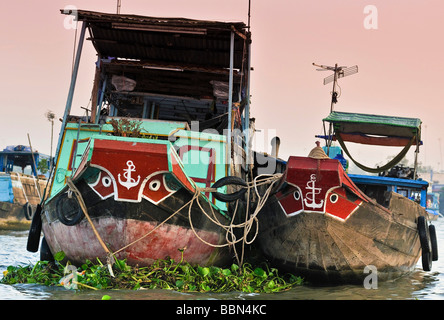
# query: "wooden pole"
230,101
71,88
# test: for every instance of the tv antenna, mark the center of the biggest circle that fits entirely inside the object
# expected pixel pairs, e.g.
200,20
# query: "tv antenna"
339,72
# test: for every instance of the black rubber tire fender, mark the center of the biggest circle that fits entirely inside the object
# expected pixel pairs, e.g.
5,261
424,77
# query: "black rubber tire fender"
426,260
45,252
423,232
27,211
229,180
426,246
434,242
35,230
63,218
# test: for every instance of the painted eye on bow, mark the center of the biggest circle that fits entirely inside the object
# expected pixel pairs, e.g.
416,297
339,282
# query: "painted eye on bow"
334,198
156,188
106,181
154,185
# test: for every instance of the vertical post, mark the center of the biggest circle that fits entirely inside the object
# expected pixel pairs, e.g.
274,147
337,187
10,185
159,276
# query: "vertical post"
99,105
95,92
230,101
247,108
51,159
153,107
119,4
330,127
71,88
34,166
418,142
145,109
335,78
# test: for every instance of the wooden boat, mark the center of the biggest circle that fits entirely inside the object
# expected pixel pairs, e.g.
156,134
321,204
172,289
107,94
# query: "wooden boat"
169,102
20,193
329,226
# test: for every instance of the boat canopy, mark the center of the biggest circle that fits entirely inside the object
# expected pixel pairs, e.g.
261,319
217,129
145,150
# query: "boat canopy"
20,156
375,129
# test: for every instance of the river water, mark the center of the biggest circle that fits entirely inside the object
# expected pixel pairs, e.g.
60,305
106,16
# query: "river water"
417,285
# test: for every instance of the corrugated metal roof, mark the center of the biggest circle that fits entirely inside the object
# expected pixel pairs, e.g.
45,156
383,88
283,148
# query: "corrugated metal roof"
165,40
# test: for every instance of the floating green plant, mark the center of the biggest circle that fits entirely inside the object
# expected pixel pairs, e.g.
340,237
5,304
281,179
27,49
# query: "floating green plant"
162,274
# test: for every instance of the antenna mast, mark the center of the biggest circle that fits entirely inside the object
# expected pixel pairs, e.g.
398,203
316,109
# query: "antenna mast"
118,6
338,72
249,10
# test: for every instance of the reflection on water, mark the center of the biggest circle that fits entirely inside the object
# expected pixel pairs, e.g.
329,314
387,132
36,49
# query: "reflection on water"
417,285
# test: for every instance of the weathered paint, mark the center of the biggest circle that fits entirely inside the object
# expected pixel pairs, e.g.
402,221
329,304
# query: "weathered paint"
164,242
322,226
317,186
200,155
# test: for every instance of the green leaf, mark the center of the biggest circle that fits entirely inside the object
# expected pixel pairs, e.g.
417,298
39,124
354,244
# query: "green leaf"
59,256
271,284
106,297
203,271
226,272
259,272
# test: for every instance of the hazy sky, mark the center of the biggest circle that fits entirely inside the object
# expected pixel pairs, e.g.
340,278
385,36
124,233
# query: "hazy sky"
401,66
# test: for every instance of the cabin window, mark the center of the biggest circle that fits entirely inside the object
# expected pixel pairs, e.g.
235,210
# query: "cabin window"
403,192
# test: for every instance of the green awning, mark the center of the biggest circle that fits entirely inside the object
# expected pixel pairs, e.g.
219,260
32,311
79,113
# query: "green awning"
369,124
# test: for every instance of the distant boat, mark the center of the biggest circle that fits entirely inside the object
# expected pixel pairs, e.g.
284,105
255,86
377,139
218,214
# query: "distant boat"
20,193
433,205
329,226
170,97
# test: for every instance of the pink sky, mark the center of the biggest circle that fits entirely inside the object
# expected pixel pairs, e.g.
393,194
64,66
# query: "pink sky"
400,65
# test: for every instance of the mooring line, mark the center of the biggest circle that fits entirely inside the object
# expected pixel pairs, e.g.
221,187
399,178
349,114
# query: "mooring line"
246,225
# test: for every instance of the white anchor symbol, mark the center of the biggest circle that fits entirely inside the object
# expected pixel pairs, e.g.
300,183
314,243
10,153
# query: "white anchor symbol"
130,182
314,191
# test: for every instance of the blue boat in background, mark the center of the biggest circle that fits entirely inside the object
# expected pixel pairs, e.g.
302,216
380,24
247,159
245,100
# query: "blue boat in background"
432,205
22,185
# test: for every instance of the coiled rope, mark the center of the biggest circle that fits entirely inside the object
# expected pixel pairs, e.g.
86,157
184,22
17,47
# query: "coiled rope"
250,219
247,225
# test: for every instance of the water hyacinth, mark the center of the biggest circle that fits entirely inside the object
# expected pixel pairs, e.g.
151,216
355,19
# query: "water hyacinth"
163,274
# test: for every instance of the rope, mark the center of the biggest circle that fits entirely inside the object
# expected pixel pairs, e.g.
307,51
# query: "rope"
23,187
230,237
76,191
151,231
250,220
37,187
